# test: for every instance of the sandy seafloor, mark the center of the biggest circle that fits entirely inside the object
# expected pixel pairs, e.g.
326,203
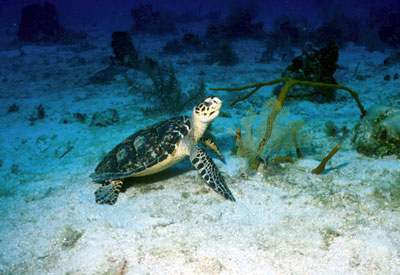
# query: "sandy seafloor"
287,222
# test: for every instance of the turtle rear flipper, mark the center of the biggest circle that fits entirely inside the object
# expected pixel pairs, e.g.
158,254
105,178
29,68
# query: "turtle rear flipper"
108,194
209,172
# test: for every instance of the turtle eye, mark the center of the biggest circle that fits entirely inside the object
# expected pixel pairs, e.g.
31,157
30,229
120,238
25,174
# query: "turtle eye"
207,103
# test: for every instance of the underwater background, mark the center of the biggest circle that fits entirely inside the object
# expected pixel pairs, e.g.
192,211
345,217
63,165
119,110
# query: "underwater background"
309,131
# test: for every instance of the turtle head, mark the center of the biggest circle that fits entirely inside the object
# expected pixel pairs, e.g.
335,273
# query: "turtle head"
204,112
207,110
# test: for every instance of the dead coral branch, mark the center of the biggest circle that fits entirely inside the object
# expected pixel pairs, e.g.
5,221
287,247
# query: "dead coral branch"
289,83
321,167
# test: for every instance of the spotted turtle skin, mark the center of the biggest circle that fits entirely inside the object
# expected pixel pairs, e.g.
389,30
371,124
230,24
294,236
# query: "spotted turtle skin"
142,150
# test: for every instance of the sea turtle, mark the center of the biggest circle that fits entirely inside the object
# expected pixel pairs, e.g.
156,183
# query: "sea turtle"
157,147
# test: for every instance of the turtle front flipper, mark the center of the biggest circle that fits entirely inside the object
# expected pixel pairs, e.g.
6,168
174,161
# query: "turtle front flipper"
108,193
209,172
209,143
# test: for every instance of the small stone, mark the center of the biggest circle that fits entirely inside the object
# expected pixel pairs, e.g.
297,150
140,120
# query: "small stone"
13,108
40,112
387,77
105,118
80,117
42,144
330,128
14,168
70,237
76,117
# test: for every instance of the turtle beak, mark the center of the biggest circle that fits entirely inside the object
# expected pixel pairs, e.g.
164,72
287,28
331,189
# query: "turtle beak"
219,106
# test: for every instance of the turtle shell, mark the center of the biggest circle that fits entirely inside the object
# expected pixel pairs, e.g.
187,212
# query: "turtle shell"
143,149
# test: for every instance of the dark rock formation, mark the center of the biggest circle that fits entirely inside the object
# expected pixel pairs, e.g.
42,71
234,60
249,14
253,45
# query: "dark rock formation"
125,53
40,23
317,65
